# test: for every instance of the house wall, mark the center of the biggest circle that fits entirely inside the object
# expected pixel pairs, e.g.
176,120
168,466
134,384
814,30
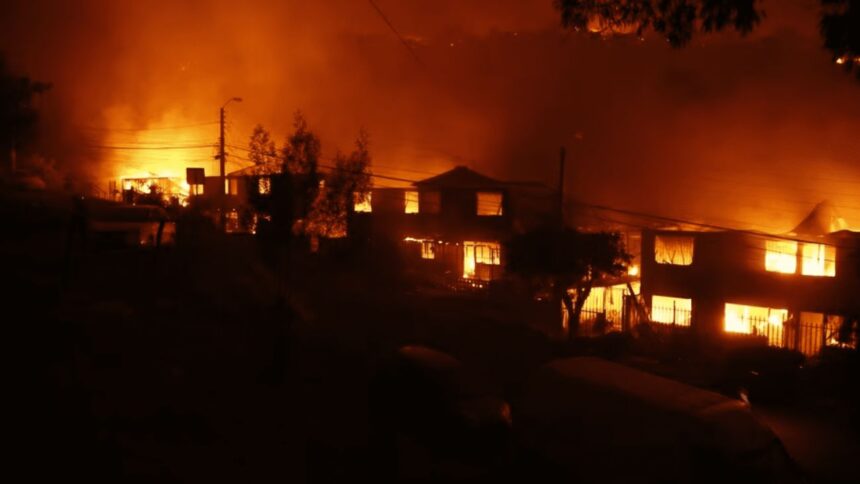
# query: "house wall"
455,222
730,267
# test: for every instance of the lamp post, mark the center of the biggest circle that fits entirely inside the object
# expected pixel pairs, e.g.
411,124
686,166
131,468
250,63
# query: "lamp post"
222,158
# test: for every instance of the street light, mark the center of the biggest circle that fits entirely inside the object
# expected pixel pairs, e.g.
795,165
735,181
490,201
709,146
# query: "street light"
236,99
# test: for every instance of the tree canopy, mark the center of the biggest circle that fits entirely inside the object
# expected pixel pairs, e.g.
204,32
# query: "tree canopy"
840,28
347,183
300,162
18,115
301,152
680,20
567,262
262,151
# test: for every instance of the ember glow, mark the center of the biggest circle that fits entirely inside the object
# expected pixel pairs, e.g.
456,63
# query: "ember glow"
781,256
756,320
720,130
254,215
815,259
671,310
479,258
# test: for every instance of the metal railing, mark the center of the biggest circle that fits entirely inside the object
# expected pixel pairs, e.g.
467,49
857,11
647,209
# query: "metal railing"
794,334
672,315
594,320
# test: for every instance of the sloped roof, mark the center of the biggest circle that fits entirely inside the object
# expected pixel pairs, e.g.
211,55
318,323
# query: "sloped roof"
460,177
823,219
248,171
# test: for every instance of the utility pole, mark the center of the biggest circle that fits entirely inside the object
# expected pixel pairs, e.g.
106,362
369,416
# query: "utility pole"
222,161
222,157
562,154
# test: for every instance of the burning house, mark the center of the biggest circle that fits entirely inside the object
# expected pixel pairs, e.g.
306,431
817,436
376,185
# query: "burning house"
243,197
148,189
453,225
608,305
795,291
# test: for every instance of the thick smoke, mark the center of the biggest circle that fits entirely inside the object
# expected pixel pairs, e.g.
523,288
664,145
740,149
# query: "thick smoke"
747,132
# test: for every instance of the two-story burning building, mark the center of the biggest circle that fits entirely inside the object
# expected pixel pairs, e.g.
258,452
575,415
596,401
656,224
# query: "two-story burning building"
243,197
796,291
454,224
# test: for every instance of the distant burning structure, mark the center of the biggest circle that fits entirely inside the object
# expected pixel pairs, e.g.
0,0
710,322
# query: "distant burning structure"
795,291
453,225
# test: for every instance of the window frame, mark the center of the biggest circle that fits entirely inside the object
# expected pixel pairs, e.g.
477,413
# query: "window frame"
660,239
484,194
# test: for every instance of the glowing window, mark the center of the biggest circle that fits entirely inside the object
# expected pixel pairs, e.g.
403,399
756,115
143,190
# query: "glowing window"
264,185
231,186
818,260
488,254
780,256
410,202
427,250
673,249
671,310
429,202
489,203
757,320
480,253
196,189
608,300
362,204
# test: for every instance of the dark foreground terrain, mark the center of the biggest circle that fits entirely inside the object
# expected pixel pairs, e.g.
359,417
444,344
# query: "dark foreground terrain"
224,360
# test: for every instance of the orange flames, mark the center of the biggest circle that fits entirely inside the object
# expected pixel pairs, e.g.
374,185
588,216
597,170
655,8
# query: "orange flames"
158,153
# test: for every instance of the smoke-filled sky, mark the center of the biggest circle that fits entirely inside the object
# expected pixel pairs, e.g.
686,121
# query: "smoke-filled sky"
741,131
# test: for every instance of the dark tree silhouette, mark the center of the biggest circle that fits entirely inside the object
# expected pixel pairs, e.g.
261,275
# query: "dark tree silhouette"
567,262
840,28
349,182
679,20
18,115
302,149
262,152
300,158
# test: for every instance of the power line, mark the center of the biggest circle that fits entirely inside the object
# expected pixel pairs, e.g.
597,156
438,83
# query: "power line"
679,221
396,33
748,246
392,168
374,175
156,128
185,147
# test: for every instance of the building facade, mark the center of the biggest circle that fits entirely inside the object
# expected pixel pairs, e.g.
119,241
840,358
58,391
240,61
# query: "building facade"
454,224
795,292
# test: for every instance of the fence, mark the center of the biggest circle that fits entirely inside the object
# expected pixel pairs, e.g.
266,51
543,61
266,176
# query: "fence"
805,334
674,315
594,321
622,315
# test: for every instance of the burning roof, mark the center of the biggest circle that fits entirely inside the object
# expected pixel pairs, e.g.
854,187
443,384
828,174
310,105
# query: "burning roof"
822,220
460,177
